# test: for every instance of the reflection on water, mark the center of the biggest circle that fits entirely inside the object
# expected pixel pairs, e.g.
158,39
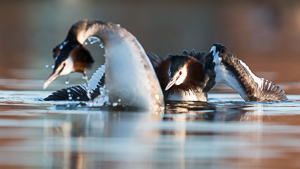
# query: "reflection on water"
223,133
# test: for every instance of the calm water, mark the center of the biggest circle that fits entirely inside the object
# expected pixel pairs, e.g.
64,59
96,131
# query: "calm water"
224,133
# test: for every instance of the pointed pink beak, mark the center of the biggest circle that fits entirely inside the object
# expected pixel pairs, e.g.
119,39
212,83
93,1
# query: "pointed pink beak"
170,84
50,79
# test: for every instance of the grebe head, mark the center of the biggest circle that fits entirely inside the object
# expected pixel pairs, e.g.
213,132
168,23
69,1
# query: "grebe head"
177,71
70,56
185,72
188,76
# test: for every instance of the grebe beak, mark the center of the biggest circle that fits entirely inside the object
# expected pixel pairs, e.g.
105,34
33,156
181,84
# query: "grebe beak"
170,84
64,68
50,79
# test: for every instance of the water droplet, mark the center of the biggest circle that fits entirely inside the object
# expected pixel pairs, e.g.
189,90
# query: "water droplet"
157,96
85,43
61,46
115,104
67,105
67,81
119,100
118,25
70,98
65,42
102,91
47,66
101,45
68,91
93,39
104,55
52,66
78,98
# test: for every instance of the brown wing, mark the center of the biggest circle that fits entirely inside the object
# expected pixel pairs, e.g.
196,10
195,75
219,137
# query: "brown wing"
272,92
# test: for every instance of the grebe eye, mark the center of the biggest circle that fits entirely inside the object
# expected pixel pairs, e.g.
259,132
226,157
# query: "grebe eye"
64,64
180,72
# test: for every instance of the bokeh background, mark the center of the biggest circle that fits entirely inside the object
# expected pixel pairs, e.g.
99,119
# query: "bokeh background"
265,34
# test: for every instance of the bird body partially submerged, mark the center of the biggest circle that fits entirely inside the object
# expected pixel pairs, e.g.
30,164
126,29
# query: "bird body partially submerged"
129,75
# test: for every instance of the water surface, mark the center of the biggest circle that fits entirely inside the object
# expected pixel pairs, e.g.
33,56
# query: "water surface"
223,133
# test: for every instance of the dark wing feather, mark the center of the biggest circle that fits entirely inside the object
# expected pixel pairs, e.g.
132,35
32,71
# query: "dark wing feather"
200,56
155,60
272,92
192,52
78,92
185,52
209,67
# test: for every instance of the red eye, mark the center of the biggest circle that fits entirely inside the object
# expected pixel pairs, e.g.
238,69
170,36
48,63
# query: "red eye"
64,64
180,72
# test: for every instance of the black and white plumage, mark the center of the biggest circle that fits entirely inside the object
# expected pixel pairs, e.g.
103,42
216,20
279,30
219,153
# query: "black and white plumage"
236,74
129,75
199,79
185,77
79,92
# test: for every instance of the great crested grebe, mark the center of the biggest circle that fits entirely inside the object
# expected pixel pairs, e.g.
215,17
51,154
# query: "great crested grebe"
236,74
185,77
129,75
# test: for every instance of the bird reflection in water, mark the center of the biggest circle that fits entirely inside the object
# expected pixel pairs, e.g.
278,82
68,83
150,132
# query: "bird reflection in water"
112,138
202,111
98,139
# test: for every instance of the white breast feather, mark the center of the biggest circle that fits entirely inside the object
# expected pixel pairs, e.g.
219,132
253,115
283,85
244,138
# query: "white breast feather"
179,96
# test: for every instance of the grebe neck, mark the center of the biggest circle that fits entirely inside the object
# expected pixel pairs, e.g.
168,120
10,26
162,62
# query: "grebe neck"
129,76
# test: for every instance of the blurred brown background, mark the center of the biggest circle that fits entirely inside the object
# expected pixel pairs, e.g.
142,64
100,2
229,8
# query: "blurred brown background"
264,34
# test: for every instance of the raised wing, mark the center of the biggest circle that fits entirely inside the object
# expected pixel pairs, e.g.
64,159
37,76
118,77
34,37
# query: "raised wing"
79,92
271,92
